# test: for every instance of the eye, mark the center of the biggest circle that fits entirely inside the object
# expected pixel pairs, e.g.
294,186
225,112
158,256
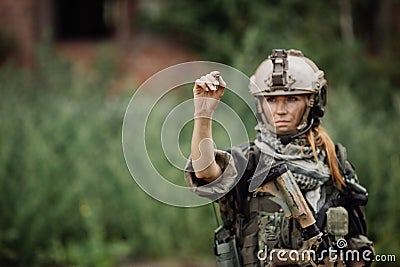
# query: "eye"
270,99
292,98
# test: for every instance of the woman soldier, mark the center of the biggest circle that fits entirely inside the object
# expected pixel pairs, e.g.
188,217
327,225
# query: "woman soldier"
290,93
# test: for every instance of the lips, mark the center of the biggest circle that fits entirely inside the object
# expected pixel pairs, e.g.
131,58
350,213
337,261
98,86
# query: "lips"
281,123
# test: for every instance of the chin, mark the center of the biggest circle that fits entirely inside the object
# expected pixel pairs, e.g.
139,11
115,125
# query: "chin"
285,131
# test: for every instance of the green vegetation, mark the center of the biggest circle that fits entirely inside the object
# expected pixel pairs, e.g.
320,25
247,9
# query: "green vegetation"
359,59
67,196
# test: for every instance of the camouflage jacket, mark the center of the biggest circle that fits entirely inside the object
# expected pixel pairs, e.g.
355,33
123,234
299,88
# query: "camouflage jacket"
256,221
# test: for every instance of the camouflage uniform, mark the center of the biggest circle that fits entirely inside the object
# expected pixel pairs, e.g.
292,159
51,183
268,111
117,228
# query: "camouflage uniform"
258,222
253,219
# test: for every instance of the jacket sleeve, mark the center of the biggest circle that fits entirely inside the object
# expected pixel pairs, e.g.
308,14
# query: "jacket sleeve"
233,163
221,185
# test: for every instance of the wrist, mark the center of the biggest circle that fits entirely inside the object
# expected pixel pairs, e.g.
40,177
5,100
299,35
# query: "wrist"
203,115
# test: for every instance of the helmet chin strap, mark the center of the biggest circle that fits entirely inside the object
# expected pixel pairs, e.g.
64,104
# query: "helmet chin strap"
304,121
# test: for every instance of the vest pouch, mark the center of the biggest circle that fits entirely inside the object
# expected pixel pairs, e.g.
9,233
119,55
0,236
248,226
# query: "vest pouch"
269,224
337,222
225,248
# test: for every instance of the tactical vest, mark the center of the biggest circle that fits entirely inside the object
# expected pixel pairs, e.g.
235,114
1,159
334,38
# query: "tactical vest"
253,222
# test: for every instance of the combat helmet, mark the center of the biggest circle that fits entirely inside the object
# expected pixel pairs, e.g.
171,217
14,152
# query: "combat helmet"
289,72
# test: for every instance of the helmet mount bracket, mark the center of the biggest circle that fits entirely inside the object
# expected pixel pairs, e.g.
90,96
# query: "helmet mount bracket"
279,79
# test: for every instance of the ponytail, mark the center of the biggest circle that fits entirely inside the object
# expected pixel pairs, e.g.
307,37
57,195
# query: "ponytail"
318,137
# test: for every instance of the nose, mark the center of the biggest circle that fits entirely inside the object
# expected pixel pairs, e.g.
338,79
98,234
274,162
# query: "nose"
281,107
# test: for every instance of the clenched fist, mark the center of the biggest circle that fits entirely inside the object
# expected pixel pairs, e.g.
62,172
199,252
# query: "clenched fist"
207,92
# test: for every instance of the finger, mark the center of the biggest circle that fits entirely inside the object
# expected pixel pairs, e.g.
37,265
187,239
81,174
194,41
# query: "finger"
208,82
199,84
212,79
221,81
217,75
220,92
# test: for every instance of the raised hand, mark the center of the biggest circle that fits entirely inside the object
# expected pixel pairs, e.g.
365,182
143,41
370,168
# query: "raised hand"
207,92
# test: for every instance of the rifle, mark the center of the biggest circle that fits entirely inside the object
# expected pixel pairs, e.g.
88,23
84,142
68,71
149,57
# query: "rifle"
282,185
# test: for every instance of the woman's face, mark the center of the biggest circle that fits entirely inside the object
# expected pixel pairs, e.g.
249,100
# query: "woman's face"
286,111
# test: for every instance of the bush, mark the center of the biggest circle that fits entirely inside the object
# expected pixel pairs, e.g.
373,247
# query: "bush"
68,197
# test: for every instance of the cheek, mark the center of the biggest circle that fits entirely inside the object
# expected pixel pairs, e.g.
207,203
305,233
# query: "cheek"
298,111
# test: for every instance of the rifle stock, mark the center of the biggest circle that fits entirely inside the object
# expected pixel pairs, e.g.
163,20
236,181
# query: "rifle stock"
281,183
283,186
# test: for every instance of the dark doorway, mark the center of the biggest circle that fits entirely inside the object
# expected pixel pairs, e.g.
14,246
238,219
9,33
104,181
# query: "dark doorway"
80,19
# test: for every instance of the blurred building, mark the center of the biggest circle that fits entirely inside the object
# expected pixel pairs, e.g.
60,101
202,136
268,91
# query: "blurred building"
23,23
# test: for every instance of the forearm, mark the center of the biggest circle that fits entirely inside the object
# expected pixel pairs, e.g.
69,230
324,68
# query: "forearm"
203,158
207,92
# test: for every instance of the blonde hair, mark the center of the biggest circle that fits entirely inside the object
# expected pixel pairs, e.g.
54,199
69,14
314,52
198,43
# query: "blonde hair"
318,137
